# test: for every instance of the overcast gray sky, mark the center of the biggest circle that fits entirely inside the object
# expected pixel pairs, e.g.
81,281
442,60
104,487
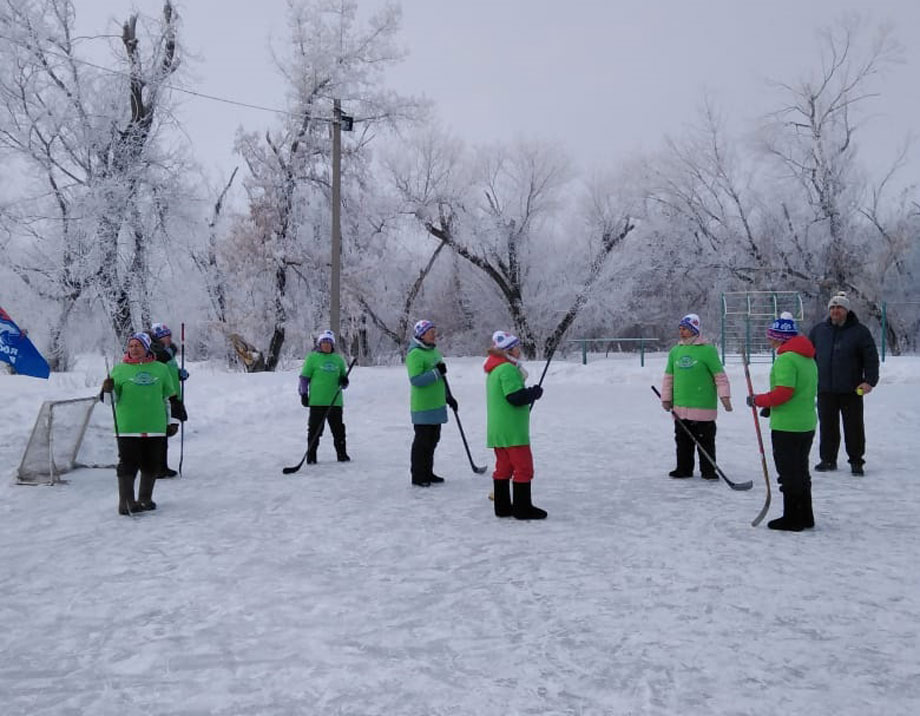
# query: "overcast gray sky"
605,78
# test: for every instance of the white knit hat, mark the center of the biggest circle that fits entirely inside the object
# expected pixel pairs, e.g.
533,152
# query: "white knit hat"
326,336
504,341
422,327
840,299
692,322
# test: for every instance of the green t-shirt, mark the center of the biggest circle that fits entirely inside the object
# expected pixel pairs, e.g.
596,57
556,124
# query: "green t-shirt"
693,367
324,371
507,425
798,414
427,396
141,391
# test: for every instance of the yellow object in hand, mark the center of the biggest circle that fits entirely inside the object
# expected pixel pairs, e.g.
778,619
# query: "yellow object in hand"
859,391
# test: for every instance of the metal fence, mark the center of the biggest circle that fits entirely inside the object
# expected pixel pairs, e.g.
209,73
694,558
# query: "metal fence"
610,343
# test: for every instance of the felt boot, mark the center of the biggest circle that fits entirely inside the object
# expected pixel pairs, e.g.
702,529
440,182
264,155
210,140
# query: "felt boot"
340,452
807,516
126,502
145,492
502,495
522,507
791,521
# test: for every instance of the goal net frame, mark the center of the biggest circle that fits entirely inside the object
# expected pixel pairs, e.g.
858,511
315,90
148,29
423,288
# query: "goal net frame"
54,444
746,316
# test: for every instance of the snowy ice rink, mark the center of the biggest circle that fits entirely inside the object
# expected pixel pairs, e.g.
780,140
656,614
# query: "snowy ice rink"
343,590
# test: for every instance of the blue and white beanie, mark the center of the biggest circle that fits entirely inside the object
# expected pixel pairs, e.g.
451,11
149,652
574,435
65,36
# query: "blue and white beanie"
143,338
504,341
783,328
160,330
421,328
691,322
326,336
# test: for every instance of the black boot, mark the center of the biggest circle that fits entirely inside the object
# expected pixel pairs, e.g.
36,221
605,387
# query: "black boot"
341,454
311,456
522,507
502,494
145,492
807,516
126,502
791,521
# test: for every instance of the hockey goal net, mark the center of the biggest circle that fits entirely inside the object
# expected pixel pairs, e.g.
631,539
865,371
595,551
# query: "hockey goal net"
57,438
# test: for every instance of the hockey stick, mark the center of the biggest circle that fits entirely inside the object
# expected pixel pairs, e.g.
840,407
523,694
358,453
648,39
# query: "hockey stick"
108,374
312,443
543,374
182,399
763,457
478,469
734,485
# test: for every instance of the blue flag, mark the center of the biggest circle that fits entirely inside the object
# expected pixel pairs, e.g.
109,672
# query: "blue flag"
17,350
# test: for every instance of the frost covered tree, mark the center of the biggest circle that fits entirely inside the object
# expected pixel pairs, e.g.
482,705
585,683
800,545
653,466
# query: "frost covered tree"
331,55
500,211
813,137
87,138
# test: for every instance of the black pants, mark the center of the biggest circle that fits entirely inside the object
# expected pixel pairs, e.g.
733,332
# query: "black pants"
426,440
144,454
705,432
316,426
831,408
790,454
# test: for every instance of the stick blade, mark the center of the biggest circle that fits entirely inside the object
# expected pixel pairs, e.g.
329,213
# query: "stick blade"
290,470
742,486
479,469
763,513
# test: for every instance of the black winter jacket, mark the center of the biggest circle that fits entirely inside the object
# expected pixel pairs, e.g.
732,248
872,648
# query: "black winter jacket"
846,355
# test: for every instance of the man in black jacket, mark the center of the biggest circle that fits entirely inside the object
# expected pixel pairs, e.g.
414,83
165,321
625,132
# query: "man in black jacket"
847,370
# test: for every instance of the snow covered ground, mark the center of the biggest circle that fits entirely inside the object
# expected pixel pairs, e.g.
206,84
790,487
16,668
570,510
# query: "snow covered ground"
343,590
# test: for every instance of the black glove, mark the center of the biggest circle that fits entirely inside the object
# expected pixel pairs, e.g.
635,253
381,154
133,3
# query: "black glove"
177,410
442,367
171,429
536,392
750,401
343,381
183,374
305,400
764,412
452,402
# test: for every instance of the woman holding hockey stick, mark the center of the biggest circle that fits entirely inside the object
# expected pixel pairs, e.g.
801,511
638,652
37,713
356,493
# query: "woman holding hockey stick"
164,350
140,387
693,379
508,404
323,377
428,401
793,418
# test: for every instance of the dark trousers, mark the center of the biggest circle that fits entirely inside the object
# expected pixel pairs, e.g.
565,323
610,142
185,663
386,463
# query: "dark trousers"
790,454
705,432
317,424
831,408
144,454
423,445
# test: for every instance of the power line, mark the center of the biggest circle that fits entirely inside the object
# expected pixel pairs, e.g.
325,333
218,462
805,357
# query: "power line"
194,93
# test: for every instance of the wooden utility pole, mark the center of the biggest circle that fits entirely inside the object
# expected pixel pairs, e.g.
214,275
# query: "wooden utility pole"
335,287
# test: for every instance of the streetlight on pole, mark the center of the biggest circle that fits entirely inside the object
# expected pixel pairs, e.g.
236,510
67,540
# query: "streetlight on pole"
340,122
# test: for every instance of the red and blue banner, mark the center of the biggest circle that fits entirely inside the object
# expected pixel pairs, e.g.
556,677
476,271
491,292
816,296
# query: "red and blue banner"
17,350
